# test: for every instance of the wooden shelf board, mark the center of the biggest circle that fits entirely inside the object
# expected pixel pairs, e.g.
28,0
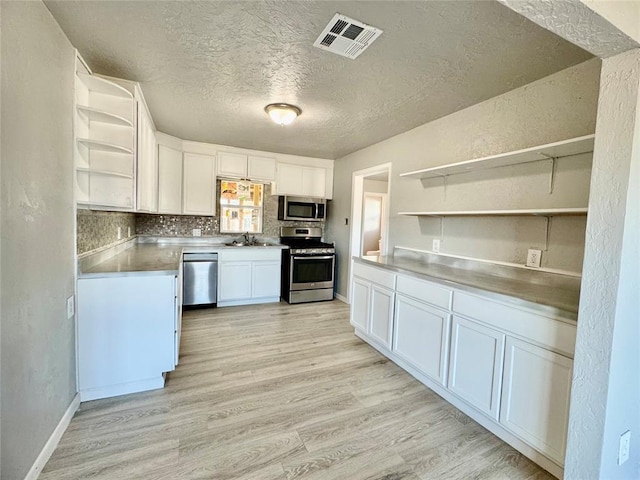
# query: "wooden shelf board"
102,85
104,146
565,148
549,212
104,172
96,115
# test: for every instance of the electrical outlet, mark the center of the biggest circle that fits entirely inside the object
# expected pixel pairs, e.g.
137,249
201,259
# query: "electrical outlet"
119,233
71,310
625,445
197,232
436,245
533,258
128,231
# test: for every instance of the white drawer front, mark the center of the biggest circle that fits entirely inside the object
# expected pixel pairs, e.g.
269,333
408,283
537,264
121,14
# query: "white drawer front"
537,328
249,254
375,275
424,291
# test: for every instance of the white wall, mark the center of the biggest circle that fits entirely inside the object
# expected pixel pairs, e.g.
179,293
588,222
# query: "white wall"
37,224
605,398
554,108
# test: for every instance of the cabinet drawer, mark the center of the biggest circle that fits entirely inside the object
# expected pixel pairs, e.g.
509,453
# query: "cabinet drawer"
375,275
555,334
424,291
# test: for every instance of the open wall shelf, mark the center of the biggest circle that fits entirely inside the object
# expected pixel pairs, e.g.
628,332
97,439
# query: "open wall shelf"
565,148
549,212
104,146
102,85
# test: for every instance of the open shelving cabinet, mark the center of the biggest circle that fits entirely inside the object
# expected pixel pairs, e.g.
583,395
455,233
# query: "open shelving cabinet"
105,123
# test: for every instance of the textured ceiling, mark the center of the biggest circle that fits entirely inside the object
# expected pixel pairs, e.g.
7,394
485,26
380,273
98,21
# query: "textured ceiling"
207,69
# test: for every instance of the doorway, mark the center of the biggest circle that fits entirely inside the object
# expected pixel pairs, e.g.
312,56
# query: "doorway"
369,213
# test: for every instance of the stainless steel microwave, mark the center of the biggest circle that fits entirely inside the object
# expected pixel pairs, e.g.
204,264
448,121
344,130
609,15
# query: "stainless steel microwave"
302,209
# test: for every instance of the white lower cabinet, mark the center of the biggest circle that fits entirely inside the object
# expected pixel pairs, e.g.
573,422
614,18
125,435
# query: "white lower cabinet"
535,396
507,366
263,279
421,337
247,276
234,281
381,317
127,329
360,304
475,366
373,303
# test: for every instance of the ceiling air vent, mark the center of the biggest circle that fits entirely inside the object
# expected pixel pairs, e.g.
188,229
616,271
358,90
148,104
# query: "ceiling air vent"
346,36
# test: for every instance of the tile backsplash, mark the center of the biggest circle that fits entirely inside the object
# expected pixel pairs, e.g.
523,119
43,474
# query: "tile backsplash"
98,229
183,225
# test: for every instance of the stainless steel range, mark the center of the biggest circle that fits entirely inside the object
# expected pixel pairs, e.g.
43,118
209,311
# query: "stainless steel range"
308,265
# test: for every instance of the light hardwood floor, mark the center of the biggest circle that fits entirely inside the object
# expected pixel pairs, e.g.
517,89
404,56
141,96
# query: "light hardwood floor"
281,392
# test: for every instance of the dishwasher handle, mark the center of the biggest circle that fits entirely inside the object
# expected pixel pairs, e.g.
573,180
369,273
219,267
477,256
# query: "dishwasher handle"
200,257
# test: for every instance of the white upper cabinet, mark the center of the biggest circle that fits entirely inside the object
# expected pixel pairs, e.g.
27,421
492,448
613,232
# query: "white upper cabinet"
199,187
235,165
261,168
169,180
147,162
301,181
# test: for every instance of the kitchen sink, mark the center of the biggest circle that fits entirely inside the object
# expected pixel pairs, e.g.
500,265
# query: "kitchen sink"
250,244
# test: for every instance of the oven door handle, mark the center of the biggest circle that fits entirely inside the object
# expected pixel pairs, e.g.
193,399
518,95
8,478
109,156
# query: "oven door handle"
313,257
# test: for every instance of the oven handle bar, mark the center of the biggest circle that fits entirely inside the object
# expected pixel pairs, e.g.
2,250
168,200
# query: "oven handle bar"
314,257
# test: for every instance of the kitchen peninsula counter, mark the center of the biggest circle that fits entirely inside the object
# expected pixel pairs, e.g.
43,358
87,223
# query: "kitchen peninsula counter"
547,293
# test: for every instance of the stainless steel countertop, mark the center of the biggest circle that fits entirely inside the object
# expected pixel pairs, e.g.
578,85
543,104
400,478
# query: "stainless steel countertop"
154,258
551,294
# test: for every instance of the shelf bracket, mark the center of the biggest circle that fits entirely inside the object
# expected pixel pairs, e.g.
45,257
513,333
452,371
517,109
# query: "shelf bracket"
552,173
444,187
547,237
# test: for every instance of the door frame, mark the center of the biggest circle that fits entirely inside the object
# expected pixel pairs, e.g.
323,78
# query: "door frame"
357,195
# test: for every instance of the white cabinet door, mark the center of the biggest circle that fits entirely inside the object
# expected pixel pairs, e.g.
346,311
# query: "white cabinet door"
232,165
199,184
301,180
360,304
475,365
235,281
265,279
381,321
421,337
261,168
169,180
289,179
314,182
147,163
535,396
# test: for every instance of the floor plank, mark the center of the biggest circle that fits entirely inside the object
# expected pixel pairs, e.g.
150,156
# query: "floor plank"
281,392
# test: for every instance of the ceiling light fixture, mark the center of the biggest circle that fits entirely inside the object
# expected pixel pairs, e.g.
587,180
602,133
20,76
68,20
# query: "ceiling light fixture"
282,113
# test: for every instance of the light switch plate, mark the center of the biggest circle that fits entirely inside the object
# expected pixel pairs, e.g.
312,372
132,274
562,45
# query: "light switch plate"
119,233
625,445
533,258
436,245
197,232
71,310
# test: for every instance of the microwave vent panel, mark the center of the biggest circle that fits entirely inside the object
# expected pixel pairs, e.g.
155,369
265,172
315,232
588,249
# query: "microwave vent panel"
346,36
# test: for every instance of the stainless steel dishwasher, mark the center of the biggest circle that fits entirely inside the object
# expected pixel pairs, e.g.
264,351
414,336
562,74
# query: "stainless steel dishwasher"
200,279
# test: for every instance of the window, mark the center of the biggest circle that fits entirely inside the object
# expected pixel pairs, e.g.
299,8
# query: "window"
240,207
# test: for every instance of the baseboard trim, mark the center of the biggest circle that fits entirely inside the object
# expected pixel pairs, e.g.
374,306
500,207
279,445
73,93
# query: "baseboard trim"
54,439
342,298
122,389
